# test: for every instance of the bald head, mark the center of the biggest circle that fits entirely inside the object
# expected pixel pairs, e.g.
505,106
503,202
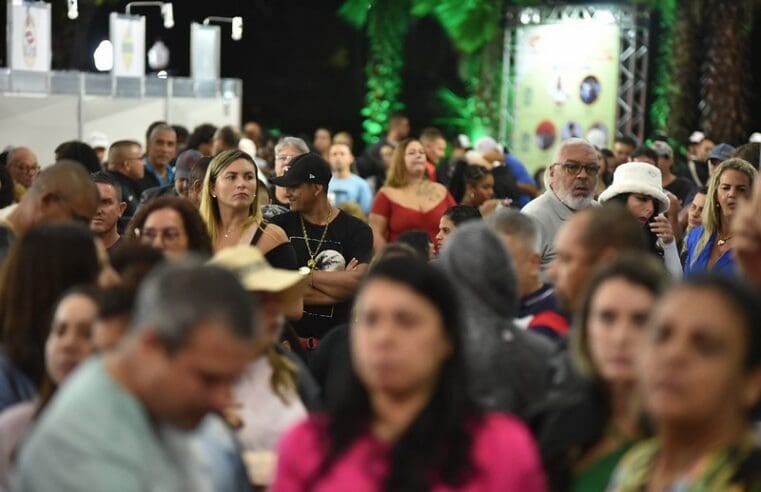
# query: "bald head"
22,165
62,192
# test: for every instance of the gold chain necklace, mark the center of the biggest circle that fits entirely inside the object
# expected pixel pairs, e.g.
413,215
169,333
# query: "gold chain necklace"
311,263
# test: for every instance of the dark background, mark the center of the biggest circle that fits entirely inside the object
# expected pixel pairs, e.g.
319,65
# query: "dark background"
301,65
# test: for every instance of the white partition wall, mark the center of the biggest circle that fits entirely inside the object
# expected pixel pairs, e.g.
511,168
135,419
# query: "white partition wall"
38,122
50,108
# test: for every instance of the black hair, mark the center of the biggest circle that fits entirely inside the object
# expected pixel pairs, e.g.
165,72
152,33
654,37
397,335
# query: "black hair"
463,175
627,140
652,238
151,128
461,213
103,177
437,444
419,240
181,132
6,186
607,153
744,299
198,172
116,302
202,134
80,152
645,152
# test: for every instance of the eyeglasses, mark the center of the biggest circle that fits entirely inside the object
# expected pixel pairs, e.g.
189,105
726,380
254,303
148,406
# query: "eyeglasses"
27,169
284,158
574,169
168,235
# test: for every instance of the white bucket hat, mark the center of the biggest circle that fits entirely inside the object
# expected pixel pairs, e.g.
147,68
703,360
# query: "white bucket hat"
637,177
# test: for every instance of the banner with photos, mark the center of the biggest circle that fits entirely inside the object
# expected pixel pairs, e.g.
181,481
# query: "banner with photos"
566,85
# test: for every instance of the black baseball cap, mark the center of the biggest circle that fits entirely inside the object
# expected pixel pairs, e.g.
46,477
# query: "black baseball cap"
306,168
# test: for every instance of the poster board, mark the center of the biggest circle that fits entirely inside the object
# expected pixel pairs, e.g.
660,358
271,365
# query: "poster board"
566,84
127,35
29,36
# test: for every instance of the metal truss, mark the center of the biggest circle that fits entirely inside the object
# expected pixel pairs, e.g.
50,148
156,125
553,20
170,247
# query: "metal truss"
634,60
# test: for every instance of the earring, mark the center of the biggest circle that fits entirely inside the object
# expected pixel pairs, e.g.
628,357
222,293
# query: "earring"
213,195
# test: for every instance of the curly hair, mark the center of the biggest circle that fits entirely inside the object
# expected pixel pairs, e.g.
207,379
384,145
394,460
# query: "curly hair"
198,236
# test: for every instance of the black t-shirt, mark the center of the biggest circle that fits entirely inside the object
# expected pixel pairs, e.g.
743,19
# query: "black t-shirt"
347,237
682,188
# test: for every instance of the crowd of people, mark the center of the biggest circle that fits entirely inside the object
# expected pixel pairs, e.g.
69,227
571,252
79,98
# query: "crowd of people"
220,309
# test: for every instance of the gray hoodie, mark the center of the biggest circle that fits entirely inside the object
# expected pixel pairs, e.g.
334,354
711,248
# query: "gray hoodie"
509,367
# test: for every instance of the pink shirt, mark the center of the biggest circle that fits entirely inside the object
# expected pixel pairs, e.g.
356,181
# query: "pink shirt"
504,455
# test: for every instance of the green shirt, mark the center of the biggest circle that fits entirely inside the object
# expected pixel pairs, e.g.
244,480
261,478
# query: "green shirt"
595,477
96,436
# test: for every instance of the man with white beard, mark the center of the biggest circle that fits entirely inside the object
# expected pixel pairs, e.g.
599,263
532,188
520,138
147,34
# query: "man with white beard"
571,180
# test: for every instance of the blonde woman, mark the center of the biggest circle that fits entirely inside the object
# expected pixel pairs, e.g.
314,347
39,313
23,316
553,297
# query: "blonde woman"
409,200
709,246
230,210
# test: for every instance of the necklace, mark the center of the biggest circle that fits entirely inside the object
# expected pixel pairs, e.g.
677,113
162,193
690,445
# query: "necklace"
311,262
722,242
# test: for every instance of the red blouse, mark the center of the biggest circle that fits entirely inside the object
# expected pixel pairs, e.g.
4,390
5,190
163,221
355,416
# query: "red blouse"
402,219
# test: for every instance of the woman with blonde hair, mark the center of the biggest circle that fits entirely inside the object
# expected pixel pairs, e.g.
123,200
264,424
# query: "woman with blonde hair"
230,210
409,200
709,246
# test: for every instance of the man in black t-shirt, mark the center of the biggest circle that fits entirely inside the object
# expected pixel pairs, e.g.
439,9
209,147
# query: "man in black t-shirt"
335,246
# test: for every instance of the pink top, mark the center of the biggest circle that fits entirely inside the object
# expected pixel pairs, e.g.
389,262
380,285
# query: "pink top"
402,219
504,453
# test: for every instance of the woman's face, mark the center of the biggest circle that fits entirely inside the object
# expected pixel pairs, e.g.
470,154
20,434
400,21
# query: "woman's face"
641,206
615,329
733,187
165,230
398,342
414,159
235,186
483,190
70,339
692,363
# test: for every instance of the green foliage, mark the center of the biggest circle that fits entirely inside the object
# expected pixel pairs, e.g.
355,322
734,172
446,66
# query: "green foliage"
662,87
354,12
463,114
386,23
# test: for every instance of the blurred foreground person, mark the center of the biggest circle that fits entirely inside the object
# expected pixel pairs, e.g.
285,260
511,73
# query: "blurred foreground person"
588,428
406,422
700,373
116,422
69,343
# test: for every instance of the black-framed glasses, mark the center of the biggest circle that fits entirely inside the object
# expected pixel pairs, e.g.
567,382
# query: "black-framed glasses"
574,168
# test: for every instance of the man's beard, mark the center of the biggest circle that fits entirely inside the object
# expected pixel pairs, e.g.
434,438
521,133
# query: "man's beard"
575,202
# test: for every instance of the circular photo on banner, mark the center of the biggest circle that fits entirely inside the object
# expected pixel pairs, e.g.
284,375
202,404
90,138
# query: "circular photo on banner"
590,89
597,135
572,129
545,134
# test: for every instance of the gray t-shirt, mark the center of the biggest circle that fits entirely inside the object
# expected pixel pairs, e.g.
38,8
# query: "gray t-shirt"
550,214
96,436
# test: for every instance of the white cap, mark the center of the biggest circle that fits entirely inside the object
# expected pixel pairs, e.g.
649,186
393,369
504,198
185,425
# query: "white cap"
487,144
755,137
597,137
696,137
98,139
